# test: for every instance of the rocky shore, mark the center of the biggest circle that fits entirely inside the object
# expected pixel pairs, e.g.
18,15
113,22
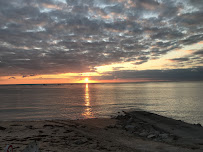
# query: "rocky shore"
139,131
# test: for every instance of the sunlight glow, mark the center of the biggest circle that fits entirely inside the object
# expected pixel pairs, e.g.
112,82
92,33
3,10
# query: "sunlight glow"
86,80
88,110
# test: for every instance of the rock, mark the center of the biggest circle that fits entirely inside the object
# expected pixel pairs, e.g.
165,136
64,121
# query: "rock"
156,133
198,125
143,134
163,136
151,136
32,147
2,128
169,139
129,127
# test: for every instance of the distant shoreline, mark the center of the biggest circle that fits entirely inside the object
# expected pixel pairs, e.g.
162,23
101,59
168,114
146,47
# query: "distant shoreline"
96,83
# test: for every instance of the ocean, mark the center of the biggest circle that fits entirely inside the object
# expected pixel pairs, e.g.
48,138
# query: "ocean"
178,100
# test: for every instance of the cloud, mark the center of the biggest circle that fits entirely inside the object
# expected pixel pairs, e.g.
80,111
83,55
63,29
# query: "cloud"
199,52
191,74
12,78
179,59
51,37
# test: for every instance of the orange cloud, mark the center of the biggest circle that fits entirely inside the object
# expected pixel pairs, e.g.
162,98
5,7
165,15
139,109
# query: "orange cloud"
148,6
51,6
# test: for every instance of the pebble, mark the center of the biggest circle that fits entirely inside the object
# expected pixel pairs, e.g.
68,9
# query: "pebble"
151,136
143,134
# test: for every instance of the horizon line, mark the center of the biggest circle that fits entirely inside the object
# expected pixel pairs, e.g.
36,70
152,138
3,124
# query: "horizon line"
100,82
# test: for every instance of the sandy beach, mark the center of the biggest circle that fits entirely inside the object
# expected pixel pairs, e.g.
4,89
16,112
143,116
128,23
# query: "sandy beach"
129,132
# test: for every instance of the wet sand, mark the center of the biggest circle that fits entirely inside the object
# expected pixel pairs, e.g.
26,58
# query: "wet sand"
129,132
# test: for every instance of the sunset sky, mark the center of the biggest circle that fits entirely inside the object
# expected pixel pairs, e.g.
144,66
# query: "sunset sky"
67,41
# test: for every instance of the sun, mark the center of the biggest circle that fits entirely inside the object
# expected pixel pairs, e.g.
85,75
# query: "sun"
86,80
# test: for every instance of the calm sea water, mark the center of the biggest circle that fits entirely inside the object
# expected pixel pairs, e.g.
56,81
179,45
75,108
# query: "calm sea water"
179,100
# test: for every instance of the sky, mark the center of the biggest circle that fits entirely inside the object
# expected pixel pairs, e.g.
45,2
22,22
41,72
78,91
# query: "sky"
66,41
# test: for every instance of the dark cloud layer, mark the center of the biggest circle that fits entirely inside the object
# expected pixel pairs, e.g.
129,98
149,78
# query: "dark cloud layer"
194,74
59,36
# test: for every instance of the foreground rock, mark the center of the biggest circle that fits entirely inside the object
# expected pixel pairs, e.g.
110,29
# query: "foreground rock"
134,131
158,128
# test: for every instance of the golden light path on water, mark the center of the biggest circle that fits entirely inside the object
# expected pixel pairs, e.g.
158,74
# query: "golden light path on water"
88,111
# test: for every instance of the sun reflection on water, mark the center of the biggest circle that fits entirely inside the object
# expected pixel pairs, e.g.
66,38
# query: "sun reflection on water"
88,110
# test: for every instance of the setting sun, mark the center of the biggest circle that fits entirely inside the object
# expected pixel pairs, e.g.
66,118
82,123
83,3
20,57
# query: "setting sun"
86,80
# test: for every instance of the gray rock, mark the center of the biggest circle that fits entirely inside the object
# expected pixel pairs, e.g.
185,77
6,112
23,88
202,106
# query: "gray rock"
157,133
130,127
151,136
199,125
163,136
32,147
143,134
169,139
